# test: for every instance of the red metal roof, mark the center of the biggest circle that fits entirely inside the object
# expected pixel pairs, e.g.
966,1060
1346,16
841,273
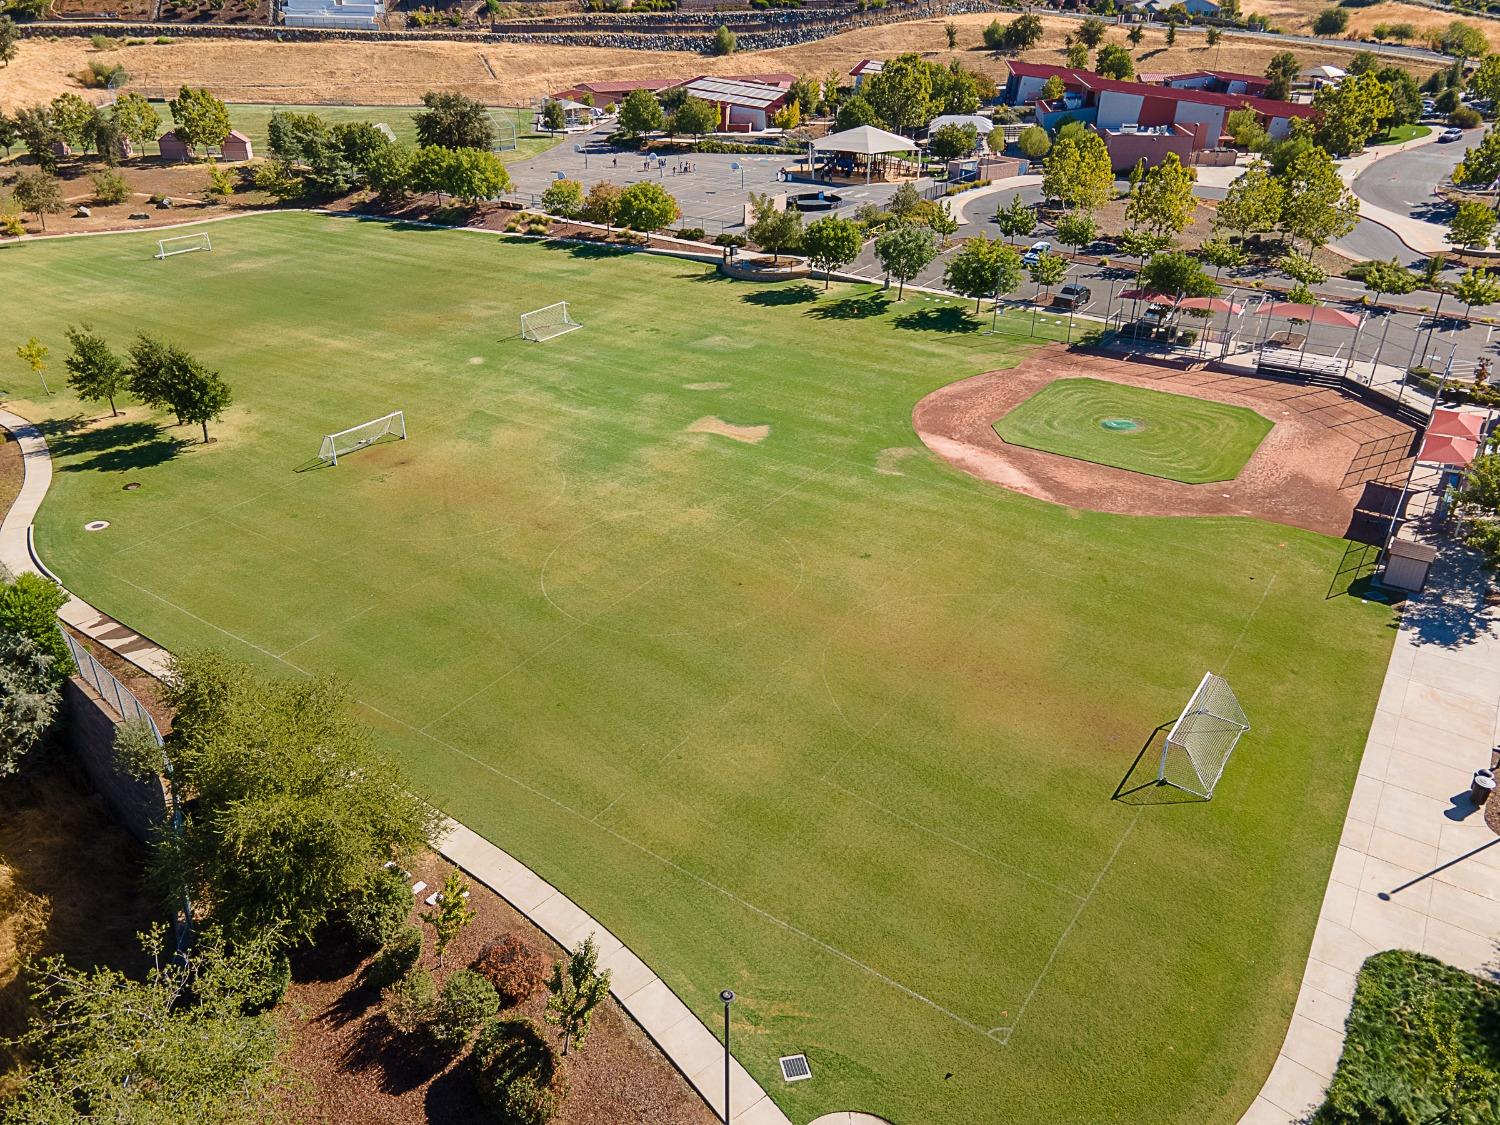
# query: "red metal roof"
1204,97
1047,70
1226,75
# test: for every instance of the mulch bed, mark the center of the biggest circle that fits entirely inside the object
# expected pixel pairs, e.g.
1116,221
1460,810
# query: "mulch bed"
1300,475
362,1072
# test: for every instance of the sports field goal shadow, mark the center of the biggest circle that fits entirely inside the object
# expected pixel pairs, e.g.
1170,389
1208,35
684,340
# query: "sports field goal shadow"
1141,784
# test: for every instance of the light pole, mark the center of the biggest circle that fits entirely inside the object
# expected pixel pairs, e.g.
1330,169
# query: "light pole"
728,997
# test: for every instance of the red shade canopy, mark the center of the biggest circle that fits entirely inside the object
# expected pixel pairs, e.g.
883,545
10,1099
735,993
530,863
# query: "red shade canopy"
1440,449
1150,296
1210,304
1456,423
1316,314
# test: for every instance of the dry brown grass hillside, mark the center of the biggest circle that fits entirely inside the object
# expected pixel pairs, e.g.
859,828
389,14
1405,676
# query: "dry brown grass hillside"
395,73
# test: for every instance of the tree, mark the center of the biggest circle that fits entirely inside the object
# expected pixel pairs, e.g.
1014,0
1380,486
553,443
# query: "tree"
1221,254
183,1045
473,175
554,117
9,134
1477,287
1178,275
198,394
695,116
1404,95
640,112
724,41
984,267
1091,32
901,93
1048,270
1351,113
28,608
1485,81
1077,58
1472,225
993,35
951,142
1135,35
29,695
1034,142
1252,204
136,118
1114,61
292,807
577,989
1076,230
1212,37
830,243
854,112
646,207
38,191
1316,205
1244,127
941,222
220,183
904,201
40,134
903,253
1015,218
94,372
1023,33
1077,172
199,118
788,116
1282,71
950,29
1330,21
453,121
777,229
72,117
1163,201
1052,89
451,914
563,198
10,40
1141,245
33,353
602,204
1462,40
1171,36
1388,277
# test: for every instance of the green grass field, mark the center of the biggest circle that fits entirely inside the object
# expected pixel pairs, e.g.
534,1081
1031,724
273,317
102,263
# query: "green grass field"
818,718
1152,432
1399,134
255,120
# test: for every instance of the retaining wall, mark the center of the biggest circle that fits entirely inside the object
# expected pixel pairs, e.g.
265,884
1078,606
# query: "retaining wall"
89,727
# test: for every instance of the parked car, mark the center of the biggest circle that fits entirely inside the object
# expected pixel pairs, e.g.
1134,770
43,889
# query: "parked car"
1447,136
1073,296
1037,250
1428,106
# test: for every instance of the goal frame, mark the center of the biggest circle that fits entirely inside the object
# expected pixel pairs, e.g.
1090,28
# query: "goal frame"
162,253
395,424
1207,751
550,331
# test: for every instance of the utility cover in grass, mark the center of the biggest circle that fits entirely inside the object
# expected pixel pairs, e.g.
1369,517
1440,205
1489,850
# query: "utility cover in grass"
1151,432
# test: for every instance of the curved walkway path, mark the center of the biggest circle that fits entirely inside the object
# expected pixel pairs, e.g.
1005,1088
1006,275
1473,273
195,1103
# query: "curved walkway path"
682,1037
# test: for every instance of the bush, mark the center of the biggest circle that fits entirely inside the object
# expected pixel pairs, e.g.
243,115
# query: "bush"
468,1000
102,43
380,910
517,1073
1465,117
514,969
110,187
410,1002
269,977
737,240
398,958
692,234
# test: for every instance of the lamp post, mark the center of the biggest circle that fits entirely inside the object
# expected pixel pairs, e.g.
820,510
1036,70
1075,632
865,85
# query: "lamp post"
728,997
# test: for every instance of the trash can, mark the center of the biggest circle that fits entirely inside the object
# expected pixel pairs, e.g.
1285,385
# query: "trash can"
1482,786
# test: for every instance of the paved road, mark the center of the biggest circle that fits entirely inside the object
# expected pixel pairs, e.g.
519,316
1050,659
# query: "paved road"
1407,182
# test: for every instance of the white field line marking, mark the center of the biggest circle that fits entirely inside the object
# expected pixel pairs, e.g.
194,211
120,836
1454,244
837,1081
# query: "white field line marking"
330,628
157,537
1077,914
232,636
920,827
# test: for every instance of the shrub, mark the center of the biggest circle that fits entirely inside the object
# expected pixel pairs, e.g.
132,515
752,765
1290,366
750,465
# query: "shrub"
1465,117
267,980
162,40
398,958
514,969
410,1002
380,910
731,240
516,1072
467,1001
110,187
692,234
11,225
102,42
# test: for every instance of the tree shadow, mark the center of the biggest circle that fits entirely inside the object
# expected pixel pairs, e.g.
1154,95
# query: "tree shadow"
1141,784
404,1062
452,1097
113,448
948,319
852,308
772,298
1459,605
586,250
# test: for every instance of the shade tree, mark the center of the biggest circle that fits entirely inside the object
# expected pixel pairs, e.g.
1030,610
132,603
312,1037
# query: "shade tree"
830,243
983,267
95,373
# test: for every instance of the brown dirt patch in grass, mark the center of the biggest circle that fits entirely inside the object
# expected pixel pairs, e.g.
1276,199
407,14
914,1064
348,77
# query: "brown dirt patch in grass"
364,1074
751,435
1299,475
705,386
11,471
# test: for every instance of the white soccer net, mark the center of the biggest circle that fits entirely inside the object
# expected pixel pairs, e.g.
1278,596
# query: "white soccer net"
182,244
543,324
1200,741
367,433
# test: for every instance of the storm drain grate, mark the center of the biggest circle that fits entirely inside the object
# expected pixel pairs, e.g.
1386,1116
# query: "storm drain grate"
794,1068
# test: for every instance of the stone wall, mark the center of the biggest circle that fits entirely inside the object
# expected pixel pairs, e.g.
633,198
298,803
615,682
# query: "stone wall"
141,806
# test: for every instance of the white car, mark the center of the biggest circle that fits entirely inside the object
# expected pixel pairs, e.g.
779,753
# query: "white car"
1448,136
1037,250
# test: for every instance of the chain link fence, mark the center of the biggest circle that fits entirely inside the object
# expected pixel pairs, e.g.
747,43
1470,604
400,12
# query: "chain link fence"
109,689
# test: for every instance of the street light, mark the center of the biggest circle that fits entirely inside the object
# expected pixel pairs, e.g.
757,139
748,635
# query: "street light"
728,997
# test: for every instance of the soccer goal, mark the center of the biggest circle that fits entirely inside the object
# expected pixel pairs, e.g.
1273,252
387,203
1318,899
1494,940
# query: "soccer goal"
1200,741
543,324
182,244
366,433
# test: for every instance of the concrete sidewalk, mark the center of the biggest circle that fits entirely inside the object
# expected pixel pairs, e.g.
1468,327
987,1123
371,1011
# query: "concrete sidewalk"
682,1037
1419,235
1417,868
